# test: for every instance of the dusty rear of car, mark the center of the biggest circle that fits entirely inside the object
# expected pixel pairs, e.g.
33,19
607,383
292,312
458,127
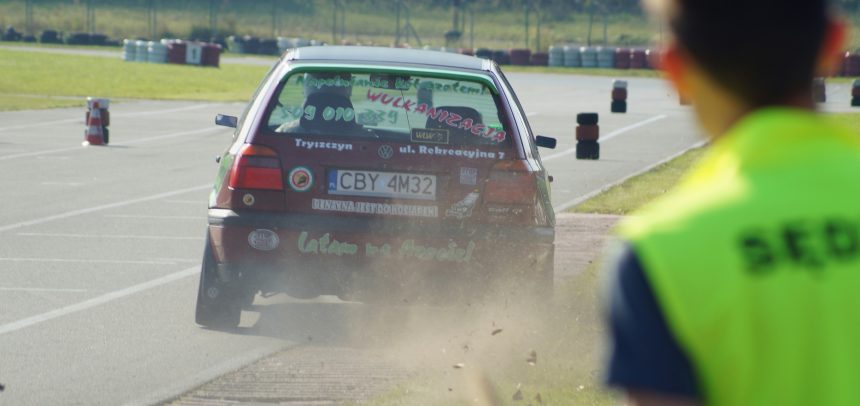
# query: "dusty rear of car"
377,181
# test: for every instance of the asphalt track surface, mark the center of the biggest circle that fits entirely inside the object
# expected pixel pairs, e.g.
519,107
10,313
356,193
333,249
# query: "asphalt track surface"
100,246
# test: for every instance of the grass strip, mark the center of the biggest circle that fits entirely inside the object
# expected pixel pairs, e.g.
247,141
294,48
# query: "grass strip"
43,74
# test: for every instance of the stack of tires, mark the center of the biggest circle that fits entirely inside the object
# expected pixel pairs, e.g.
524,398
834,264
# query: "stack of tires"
619,96
484,53
855,94
268,47
157,52
556,56
211,55
502,57
653,58
852,64
129,50
50,37
605,58
572,57
176,50
639,59
520,57
587,134
236,44
540,59
78,38
589,57
141,51
622,58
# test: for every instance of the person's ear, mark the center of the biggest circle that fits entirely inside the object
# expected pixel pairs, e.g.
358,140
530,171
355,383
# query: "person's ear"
832,48
674,66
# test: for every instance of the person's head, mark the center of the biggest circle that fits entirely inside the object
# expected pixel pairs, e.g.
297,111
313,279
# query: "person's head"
328,82
735,56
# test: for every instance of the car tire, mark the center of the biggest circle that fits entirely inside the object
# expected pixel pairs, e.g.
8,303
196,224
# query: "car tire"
855,101
218,304
586,118
619,106
589,150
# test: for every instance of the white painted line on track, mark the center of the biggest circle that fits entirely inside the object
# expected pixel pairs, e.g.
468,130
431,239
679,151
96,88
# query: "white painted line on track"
118,115
578,200
110,236
96,301
153,217
58,290
89,261
140,141
176,201
94,209
609,136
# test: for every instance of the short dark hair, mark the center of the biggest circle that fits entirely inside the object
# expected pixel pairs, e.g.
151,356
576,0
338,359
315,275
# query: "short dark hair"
763,51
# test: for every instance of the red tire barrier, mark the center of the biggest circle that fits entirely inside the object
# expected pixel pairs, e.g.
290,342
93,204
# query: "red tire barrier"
211,55
654,58
638,59
619,94
540,59
520,57
622,58
176,52
587,133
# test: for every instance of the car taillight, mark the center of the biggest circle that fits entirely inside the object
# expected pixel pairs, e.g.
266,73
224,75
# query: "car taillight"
511,182
257,167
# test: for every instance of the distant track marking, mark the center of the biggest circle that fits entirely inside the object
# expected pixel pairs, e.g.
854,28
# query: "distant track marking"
96,301
139,141
100,208
117,115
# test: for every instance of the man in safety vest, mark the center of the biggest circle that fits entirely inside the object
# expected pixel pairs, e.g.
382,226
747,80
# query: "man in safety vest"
742,285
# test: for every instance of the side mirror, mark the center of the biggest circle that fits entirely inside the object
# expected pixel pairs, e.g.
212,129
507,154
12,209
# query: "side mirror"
545,142
226,121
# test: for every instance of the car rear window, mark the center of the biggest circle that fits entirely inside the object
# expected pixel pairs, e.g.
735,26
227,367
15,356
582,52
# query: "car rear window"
395,107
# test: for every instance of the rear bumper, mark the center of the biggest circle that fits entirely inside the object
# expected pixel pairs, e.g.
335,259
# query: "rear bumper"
334,224
340,255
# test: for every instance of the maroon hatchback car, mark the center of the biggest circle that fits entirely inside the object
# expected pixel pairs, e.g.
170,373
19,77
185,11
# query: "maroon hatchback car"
377,175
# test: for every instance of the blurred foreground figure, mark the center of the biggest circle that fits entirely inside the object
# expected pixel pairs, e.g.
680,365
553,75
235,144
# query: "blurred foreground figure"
742,285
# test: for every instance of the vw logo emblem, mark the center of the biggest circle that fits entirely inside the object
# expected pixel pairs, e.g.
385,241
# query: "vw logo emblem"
385,152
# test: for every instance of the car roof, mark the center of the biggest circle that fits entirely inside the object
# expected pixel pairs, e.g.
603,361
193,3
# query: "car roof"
372,55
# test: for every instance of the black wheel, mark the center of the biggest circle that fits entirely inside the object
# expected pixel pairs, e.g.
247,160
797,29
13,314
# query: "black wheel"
219,304
586,118
619,106
855,101
588,150
106,132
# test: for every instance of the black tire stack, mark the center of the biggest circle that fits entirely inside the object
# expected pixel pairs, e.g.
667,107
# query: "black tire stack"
587,134
819,90
619,96
855,94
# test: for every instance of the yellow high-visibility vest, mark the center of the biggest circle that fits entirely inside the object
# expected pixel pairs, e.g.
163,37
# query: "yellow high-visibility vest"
755,262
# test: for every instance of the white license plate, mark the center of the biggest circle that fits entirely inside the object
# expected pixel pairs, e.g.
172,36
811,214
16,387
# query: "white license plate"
382,184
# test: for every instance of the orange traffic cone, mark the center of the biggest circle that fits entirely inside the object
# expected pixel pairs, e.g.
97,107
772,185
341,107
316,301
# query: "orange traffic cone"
94,135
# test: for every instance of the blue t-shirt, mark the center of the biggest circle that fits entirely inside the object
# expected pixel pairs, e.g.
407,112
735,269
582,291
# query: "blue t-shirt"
643,354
